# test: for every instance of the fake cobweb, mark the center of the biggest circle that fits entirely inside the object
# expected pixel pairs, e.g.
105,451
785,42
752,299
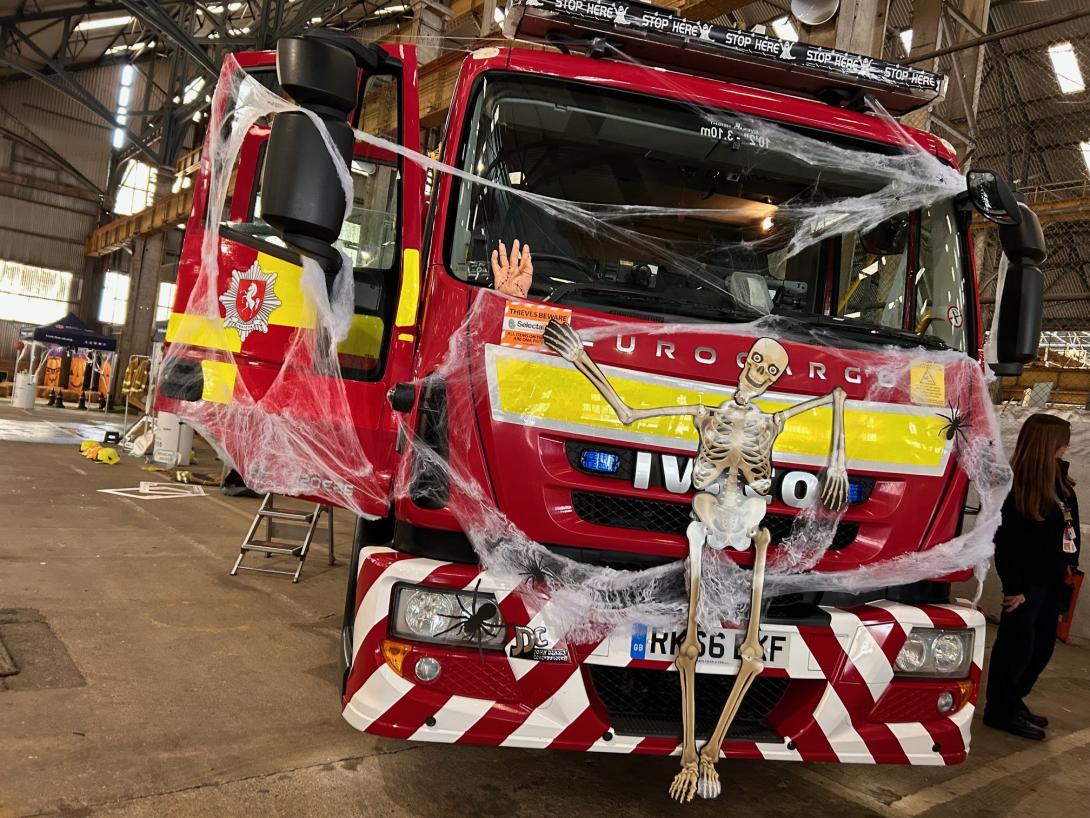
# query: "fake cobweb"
292,428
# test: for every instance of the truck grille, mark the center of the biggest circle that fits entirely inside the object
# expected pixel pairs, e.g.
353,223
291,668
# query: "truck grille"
643,702
673,518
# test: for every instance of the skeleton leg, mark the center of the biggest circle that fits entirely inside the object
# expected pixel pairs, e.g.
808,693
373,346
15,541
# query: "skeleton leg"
684,785
752,655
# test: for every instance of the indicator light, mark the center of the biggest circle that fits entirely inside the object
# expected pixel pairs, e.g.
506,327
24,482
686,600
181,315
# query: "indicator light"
395,654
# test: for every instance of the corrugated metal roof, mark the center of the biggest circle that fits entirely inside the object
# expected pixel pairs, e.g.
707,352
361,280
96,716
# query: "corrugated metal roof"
46,226
1030,131
66,125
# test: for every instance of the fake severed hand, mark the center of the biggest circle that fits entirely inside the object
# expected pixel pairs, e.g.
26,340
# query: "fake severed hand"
515,274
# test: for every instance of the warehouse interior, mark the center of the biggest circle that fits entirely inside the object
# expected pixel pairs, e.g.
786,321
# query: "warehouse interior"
142,674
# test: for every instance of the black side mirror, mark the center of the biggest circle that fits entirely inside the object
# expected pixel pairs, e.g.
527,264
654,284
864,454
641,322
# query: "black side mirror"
1018,332
992,197
302,197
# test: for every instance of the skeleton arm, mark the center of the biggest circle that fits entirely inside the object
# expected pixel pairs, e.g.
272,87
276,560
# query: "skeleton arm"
835,491
563,340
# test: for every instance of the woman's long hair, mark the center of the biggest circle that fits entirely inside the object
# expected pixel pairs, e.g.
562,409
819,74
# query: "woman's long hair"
1036,469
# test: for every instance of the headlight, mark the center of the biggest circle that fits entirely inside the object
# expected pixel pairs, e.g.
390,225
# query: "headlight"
446,617
426,614
913,654
935,652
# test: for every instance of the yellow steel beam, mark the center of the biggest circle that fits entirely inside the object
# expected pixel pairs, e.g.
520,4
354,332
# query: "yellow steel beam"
164,213
1068,210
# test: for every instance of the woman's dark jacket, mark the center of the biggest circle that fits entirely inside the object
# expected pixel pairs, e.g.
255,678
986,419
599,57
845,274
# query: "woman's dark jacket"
1029,553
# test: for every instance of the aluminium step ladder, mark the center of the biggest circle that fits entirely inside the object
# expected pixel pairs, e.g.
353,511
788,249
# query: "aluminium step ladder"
283,536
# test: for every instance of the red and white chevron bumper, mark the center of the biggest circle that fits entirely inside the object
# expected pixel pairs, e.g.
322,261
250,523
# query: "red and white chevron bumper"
829,694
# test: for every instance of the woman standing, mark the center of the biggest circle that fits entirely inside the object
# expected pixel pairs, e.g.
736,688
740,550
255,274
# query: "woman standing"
1033,549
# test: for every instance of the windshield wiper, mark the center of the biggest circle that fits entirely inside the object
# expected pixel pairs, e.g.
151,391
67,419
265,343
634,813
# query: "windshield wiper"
645,296
870,332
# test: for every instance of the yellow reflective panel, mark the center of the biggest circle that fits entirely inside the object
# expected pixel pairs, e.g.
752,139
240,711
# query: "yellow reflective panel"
410,289
294,309
219,381
200,331
364,339
541,390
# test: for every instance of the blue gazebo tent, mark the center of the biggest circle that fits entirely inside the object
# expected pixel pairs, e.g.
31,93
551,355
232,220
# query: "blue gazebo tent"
69,332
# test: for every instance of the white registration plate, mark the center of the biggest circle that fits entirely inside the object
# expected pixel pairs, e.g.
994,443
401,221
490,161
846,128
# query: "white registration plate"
717,647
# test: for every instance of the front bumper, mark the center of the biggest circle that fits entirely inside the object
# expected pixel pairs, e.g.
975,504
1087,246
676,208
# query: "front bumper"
832,697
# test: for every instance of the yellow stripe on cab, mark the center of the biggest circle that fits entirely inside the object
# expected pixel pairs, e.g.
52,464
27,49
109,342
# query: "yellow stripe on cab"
534,389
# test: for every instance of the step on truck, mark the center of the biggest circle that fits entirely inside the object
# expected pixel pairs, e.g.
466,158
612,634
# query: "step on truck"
632,104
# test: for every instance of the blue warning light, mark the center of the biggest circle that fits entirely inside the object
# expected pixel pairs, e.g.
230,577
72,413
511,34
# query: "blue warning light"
856,493
601,462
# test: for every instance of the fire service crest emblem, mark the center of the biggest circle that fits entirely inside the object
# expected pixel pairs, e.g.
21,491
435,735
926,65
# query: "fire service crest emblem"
249,301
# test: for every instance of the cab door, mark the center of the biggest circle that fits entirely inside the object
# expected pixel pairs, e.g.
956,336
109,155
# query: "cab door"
289,425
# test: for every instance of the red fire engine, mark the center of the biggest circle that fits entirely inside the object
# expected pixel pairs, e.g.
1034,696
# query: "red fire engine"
634,99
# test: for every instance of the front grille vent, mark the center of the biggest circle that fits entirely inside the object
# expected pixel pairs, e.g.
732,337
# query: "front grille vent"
673,518
644,702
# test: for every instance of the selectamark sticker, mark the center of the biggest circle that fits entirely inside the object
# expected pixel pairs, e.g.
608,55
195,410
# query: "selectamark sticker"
524,323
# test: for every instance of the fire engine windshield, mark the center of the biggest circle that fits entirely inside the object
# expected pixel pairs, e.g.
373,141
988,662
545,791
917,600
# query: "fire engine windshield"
694,220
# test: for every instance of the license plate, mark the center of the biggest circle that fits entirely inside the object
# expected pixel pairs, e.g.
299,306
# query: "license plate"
719,646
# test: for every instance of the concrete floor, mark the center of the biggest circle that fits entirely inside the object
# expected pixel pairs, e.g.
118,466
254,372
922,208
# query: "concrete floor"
153,684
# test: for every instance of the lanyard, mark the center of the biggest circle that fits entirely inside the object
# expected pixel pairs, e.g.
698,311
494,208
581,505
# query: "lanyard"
1069,545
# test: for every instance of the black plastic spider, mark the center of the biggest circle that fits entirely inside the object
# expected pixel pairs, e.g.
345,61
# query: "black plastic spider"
537,571
956,423
477,623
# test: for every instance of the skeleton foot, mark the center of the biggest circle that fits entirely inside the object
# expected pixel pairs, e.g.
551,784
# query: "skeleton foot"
708,786
684,787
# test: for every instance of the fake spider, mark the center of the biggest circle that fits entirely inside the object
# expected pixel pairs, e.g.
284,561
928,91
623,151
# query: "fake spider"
537,571
956,423
476,623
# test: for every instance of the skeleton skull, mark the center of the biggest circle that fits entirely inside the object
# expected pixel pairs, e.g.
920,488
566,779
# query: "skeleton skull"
765,363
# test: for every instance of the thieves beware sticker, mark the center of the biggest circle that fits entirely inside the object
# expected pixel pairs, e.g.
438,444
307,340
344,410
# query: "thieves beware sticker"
524,323
928,385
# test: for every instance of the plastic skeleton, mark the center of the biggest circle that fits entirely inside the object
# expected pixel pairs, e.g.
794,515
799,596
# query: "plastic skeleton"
736,441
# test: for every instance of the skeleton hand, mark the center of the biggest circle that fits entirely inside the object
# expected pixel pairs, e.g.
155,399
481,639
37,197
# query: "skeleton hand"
514,275
563,340
834,493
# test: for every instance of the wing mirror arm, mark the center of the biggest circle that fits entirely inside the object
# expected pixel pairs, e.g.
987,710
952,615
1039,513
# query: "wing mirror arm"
302,196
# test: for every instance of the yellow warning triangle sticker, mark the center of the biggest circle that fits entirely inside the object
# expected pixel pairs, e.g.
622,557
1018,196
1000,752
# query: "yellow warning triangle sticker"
928,385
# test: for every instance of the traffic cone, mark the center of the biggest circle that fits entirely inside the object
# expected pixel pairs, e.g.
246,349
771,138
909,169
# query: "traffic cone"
82,401
52,398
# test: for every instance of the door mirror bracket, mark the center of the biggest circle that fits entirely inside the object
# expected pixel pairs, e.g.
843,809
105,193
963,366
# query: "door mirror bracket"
303,197
992,197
